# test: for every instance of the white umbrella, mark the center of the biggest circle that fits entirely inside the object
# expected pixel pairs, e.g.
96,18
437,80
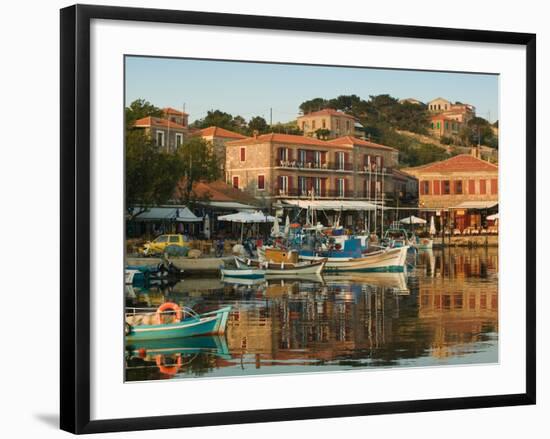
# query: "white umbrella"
412,220
432,226
247,217
207,226
287,226
493,217
275,231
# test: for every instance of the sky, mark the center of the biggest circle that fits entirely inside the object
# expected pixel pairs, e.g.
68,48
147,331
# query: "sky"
251,89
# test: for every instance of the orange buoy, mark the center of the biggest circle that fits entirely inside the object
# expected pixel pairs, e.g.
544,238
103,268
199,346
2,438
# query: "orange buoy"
169,306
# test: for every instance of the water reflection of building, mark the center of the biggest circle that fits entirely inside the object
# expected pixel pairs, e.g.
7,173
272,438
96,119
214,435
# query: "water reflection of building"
456,310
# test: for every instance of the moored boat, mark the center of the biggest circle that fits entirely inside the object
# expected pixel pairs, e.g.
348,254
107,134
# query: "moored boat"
146,325
384,260
283,268
244,273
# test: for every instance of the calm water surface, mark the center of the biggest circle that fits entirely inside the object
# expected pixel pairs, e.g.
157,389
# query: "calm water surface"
443,311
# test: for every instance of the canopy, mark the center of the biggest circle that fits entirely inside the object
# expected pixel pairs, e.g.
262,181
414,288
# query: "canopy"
228,205
248,217
476,205
332,204
179,214
493,217
412,220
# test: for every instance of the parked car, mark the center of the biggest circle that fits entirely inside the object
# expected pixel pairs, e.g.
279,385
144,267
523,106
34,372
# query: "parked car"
159,244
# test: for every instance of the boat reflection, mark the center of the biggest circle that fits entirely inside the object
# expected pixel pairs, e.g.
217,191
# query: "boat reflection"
445,311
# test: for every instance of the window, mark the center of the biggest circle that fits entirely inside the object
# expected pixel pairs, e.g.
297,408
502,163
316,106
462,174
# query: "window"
161,238
446,187
347,125
302,185
471,186
458,186
337,123
494,186
317,185
341,186
243,154
261,182
482,187
160,138
432,125
283,154
302,156
339,160
446,126
437,187
317,158
283,184
425,187
179,139
174,239
438,125
236,182
324,123
312,124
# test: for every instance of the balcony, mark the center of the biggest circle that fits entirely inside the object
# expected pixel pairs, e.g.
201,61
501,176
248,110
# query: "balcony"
373,170
297,193
315,166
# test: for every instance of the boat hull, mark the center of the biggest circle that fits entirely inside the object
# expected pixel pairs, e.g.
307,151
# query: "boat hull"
244,273
284,269
388,260
212,323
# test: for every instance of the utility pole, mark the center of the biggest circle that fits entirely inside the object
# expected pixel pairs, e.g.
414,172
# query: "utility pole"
270,117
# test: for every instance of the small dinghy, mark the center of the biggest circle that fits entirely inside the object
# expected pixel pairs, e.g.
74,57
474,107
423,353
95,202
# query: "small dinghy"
244,273
283,268
141,324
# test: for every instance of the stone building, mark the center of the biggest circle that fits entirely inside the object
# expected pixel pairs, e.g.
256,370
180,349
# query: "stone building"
218,137
465,185
337,122
458,111
279,166
176,116
442,125
164,133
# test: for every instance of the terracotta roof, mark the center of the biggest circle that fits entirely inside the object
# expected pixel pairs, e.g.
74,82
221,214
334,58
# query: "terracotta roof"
280,138
150,121
350,140
459,163
327,112
220,132
170,110
221,191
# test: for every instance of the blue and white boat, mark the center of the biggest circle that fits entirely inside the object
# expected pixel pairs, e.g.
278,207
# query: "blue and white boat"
243,273
146,325
353,258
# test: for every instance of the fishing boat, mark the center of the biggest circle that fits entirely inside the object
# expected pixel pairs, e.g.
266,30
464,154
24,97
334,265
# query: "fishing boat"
142,324
353,258
283,268
398,237
134,277
244,273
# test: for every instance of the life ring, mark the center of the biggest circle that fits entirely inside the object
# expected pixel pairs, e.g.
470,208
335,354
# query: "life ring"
168,370
169,306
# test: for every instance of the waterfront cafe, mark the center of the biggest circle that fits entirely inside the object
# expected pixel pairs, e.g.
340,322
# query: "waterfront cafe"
471,217
154,221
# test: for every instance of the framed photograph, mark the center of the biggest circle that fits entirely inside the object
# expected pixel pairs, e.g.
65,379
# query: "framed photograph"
276,218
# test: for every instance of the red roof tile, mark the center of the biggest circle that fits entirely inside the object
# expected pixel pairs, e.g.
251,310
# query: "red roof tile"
327,112
150,121
170,110
220,191
220,132
350,140
459,163
281,138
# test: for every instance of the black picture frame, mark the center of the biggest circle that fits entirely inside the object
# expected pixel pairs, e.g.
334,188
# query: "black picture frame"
75,217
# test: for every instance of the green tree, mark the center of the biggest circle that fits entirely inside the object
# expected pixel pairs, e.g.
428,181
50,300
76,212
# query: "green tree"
259,124
151,174
322,133
315,104
220,119
138,109
197,162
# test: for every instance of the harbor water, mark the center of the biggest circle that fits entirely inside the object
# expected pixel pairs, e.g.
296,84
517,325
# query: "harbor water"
442,311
